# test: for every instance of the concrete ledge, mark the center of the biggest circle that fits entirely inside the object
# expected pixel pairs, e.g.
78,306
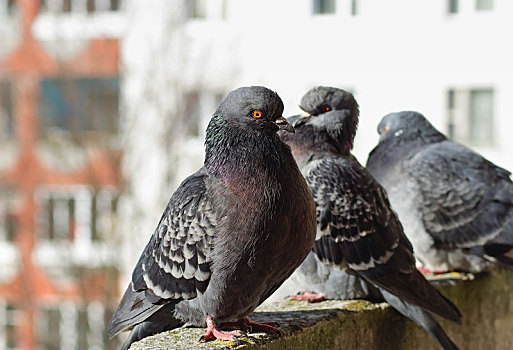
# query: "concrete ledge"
486,304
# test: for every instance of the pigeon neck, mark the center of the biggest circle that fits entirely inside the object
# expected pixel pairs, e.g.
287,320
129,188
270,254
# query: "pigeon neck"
242,156
392,150
412,140
303,147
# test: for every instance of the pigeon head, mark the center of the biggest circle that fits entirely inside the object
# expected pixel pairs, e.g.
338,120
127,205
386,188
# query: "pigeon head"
407,125
252,108
329,123
247,120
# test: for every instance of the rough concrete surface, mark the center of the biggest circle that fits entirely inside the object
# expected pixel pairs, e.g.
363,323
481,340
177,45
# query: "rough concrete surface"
486,303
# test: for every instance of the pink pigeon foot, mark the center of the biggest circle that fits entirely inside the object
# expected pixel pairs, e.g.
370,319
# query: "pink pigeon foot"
424,269
212,332
250,326
309,296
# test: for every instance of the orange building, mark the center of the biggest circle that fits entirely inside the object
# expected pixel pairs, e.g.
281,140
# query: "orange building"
59,172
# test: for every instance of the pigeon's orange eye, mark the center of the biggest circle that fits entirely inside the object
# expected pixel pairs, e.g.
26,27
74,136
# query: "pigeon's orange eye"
257,114
326,108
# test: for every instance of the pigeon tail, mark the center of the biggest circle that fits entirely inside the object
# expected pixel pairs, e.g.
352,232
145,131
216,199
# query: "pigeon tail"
414,288
422,318
132,309
160,321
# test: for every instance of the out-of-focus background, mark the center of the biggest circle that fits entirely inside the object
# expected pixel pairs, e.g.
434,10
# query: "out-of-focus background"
104,103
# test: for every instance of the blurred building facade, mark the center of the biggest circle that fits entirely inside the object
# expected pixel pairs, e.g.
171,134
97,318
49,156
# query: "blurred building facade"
59,172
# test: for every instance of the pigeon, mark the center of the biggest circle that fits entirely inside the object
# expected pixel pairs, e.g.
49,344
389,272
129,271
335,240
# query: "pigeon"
360,244
230,235
456,206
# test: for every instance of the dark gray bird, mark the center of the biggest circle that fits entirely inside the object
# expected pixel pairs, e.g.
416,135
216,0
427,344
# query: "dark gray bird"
456,206
231,233
357,231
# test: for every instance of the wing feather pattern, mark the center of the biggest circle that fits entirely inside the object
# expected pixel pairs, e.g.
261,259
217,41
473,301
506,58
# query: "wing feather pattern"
466,201
355,224
175,265
358,229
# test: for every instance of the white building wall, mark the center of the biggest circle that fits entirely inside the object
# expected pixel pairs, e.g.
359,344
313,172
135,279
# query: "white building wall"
395,57
151,63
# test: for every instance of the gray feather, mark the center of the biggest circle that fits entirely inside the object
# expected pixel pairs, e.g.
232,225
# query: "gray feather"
456,206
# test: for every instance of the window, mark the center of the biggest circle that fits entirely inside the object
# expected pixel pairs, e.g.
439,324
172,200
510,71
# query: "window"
71,326
6,108
90,6
481,117
8,217
224,9
76,212
8,6
66,6
451,124
82,328
49,332
452,6
104,207
9,323
196,9
354,7
79,105
60,218
73,6
115,5
471,116
484,5
321,7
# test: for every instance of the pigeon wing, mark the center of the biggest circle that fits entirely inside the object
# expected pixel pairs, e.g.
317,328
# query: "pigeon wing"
175,264
358,229
465,200
355,223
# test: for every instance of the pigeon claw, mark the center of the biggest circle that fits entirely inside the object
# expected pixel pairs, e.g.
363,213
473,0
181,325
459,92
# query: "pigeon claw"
272,324
213,333
246,325
266,327
308,296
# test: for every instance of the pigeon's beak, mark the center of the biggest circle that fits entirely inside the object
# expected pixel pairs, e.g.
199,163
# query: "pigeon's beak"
284,125
300,119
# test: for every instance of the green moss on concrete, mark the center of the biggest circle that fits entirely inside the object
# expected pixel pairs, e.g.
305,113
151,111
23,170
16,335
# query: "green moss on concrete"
487,308
485,302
